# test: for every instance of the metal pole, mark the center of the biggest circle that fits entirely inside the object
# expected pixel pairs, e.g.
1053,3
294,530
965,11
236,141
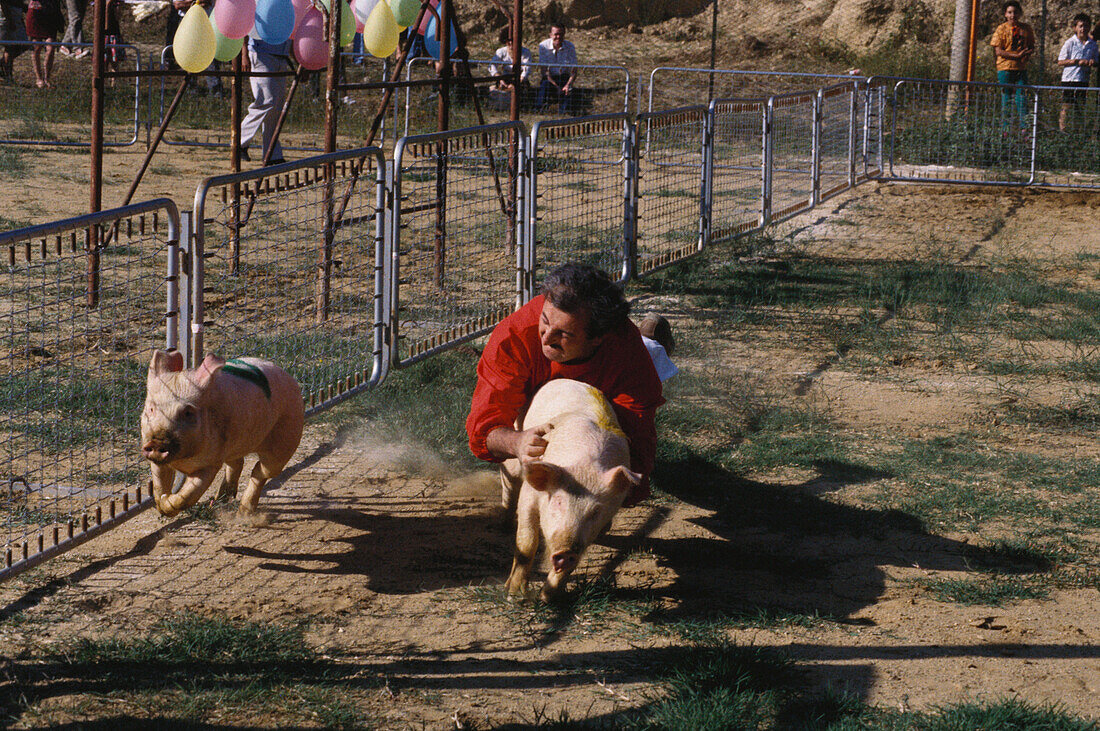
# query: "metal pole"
235,156
324,266
713,49
96,157
443,34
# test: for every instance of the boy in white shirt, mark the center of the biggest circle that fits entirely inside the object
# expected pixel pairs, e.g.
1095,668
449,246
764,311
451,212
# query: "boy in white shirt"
1077,57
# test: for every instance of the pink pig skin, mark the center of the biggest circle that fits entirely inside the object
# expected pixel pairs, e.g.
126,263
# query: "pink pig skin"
571,494
196,421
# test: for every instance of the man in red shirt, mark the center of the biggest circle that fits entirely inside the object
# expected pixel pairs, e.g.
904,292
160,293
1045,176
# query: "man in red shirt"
577,328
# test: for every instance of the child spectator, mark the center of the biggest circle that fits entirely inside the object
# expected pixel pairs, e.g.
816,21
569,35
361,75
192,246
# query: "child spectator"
1013,43
113,54
1077,57
44,22
501,93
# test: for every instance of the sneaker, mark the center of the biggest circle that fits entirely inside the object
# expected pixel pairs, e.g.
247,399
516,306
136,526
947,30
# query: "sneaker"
276,161
80,53
656,327
243,150
64,51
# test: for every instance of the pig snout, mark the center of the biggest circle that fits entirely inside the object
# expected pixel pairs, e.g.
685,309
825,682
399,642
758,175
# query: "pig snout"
565,561
160,449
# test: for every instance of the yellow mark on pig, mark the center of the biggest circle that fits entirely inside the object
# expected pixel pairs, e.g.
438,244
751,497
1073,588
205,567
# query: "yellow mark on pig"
601,409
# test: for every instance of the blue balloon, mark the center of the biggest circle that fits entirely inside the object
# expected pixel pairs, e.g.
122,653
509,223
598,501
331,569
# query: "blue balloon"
274,20
431,45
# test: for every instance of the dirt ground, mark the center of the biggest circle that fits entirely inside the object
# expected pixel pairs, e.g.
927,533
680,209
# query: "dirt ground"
382,546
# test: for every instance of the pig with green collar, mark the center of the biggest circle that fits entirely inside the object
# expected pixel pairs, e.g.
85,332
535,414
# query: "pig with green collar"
570,494
196,421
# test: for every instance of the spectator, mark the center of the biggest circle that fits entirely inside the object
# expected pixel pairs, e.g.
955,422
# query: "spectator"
1077,56
13,35
1013,43
559,59
44,22
268,93
501,65
74,29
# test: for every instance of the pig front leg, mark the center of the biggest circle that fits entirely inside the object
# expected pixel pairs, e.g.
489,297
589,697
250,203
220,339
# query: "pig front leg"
162,478
228,490
527,545
193,488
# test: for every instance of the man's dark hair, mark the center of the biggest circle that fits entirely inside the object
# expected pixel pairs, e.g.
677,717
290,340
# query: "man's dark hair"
1012,4
574,288
1081,18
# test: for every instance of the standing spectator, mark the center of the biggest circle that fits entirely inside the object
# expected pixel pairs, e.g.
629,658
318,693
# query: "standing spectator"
501,65
1013,43
74,30
559,59
1077,56
13,34
268,93
44,22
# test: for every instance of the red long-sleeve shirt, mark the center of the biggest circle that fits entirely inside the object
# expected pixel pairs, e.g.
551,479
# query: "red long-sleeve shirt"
513,367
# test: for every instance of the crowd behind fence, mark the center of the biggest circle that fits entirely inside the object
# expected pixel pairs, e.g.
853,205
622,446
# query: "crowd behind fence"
342,267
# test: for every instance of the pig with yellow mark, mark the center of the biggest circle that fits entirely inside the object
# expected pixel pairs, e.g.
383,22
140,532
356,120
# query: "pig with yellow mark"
569,495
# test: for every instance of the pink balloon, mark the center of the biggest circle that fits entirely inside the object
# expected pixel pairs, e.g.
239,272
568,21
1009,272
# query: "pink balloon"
301,7
310,47
234,18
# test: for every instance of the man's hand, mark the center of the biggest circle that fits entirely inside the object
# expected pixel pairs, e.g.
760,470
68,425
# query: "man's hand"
526,445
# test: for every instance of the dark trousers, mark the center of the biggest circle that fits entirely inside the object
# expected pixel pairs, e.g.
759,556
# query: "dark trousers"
549,92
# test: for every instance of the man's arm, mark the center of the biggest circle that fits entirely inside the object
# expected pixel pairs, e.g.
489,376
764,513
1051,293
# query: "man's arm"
504,443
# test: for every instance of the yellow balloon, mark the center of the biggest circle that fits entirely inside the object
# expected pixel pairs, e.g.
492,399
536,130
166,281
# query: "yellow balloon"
194,44
380,31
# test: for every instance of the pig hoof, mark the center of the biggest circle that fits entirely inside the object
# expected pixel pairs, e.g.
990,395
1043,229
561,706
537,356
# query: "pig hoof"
169,505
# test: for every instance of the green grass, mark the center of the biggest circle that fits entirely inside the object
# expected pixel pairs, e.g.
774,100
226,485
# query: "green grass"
11,161
992,591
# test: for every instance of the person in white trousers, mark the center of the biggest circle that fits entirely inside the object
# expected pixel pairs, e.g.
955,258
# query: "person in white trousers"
268,94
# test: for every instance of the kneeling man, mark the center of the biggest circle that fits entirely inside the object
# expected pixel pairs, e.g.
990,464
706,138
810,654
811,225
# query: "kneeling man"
578,328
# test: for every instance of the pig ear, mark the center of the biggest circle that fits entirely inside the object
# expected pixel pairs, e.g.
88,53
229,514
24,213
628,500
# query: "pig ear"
211,364
165,361
621,479
541,475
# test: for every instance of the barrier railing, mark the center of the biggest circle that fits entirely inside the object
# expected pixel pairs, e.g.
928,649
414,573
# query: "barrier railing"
456,244
790,173
288,261
671,86
837,131
579,181
86,300
737,154
30,116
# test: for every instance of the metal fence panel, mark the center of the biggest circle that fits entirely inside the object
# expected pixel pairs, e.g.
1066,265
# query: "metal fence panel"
456,246
32,116
836,136
872,111
671,182
1066,153
675,87
578,182
83,302
790,155
737,167
291,270
942,131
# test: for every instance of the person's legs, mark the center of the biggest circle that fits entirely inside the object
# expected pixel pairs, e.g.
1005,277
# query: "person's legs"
277,90
1021,98
545,90
49,65
39,80
1004,77
74,30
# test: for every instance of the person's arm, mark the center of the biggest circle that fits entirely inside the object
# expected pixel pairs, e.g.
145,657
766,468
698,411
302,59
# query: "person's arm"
572,72
505,442
1063,56
499,397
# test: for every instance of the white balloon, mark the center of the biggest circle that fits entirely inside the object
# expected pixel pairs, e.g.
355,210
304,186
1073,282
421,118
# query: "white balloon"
362,9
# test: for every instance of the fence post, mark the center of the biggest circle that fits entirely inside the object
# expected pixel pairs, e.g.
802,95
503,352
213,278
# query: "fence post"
815,147
631,182
187,287
852,108
707,182
766,166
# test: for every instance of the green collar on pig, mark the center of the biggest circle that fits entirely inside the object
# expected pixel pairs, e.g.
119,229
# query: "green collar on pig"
248,372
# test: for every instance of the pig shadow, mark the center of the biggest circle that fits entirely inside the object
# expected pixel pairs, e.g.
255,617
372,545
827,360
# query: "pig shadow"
784,549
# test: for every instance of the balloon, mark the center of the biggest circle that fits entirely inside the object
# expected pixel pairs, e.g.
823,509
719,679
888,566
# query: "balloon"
234,18
431,45
194,42
226,49
347,24
362,9
301,7
405,11
310,47
380,31
274,20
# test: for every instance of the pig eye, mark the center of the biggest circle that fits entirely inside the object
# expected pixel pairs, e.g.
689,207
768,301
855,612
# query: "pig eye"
188,413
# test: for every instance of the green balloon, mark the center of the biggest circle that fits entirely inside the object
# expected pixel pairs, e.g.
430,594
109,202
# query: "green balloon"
405,11
347,24
227,48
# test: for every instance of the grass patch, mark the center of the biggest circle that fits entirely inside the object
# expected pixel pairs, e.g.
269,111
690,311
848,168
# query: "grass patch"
993,592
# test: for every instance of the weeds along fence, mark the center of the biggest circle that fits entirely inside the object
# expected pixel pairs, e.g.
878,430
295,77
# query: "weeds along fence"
33,116
83,302
344,266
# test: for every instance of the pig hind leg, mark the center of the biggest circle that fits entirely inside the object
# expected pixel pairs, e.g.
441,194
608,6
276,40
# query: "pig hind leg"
267,468
228,490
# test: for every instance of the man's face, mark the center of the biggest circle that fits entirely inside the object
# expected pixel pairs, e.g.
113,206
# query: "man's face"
1013,14
1081,30
557,35
564,336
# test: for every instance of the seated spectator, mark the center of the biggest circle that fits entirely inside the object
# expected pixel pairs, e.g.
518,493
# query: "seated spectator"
559,59
500,94
44,21
13,35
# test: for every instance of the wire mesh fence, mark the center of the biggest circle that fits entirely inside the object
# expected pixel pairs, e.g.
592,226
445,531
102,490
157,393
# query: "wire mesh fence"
837,129
58,115
737,167
579,173
791,142
291,270
670,183
85,301
456,245
675,87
